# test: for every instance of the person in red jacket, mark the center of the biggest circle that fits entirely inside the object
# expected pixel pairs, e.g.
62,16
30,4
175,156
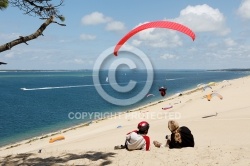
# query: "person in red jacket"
137,139
180,137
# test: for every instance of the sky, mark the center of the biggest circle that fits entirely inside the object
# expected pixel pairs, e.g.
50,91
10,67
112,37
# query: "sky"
222,30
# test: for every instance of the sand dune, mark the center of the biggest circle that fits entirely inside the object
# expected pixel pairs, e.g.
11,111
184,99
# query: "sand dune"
220,128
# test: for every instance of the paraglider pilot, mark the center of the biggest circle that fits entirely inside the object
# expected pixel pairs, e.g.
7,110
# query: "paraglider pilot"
163,91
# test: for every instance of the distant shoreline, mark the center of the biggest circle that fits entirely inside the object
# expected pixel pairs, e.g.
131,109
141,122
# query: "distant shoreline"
65,70
236,69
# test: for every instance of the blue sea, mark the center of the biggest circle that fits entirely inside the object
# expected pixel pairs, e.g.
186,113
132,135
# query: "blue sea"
33,103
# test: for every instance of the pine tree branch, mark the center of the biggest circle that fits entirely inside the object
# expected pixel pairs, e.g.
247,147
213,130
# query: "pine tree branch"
24,39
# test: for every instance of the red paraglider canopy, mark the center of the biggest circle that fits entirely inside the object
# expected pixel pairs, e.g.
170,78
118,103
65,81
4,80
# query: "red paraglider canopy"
155,24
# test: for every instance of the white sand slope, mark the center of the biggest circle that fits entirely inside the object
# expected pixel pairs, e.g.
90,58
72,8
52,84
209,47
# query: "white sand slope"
223,139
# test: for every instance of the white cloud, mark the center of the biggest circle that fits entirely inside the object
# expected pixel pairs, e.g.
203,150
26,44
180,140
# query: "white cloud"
169,56
64,41
95,18
15,53
212,44
200,18
9,55
203,18
229,42
115,26
79,61
244,9
149,34
87,37
158,38
136,42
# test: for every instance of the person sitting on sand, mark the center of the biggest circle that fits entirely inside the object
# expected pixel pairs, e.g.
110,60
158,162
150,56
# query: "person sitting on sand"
137,139
180,137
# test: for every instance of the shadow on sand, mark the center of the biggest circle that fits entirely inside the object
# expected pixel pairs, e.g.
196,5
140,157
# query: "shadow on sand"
32,159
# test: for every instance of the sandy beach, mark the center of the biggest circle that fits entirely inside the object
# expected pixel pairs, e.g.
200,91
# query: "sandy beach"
220,128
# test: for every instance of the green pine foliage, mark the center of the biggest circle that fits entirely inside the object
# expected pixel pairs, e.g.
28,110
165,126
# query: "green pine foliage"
3,4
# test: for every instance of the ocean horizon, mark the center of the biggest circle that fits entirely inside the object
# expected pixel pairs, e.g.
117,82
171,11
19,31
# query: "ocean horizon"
34,103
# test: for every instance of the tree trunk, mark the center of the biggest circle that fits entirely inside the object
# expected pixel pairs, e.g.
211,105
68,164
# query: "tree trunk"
24,39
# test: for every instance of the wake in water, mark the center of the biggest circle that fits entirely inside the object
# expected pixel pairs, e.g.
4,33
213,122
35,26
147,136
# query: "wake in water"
58,87
73,86
78,86
172,79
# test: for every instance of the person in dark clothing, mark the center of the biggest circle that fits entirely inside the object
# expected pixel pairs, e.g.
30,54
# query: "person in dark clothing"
180,137
163,91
